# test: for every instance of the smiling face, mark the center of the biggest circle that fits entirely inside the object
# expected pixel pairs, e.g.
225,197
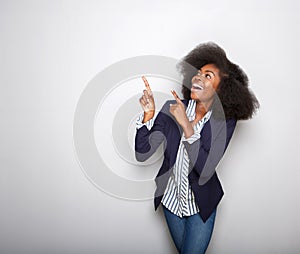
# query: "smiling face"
205,83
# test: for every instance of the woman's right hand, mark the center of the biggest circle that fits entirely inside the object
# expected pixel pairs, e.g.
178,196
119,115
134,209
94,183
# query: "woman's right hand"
147,102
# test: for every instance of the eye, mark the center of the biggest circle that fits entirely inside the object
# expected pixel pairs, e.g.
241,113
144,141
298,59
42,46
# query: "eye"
207,76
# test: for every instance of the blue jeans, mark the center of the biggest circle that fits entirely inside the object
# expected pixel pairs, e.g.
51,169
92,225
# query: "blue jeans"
190,234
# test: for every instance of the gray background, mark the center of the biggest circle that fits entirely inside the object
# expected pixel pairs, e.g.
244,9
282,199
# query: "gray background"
50,50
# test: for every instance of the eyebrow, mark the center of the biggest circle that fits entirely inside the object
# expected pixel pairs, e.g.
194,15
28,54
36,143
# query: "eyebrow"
209,71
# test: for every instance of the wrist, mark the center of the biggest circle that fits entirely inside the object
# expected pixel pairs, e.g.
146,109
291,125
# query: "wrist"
188,129
148,115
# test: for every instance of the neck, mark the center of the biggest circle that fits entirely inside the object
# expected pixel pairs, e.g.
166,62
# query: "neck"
202,108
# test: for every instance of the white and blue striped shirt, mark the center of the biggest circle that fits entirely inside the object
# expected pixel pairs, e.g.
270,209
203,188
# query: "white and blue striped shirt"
178,196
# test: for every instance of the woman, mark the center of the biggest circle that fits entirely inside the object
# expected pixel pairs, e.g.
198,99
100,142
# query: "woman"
195,133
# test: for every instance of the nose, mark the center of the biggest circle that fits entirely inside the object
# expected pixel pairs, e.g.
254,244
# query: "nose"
198,77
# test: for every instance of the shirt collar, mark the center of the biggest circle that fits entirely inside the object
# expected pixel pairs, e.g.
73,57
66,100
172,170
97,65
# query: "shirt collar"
191,113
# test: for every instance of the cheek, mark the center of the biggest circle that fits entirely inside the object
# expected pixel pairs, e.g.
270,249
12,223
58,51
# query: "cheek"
210,90
209,86
216,84
213,85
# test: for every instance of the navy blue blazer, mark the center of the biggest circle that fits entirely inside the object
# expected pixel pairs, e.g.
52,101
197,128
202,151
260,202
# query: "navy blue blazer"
204,155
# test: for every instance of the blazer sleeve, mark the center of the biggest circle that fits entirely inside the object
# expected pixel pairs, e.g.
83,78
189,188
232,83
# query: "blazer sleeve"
206,152
147,141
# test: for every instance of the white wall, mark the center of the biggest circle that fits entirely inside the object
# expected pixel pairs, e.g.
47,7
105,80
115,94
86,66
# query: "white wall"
50,50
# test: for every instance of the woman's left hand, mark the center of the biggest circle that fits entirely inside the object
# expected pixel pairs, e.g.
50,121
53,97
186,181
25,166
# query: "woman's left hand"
178,111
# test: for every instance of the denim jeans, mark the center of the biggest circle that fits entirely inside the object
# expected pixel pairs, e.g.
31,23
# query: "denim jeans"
190,234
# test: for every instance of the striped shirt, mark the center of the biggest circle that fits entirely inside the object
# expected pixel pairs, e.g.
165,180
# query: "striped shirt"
178,196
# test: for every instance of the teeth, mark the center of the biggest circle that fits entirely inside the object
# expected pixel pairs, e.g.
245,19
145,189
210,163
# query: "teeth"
197,86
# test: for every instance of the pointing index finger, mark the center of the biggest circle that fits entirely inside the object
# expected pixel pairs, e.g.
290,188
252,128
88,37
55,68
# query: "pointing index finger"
175,96
146,83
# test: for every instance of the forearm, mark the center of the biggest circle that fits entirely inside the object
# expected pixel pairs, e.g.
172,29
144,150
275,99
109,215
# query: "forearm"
149,136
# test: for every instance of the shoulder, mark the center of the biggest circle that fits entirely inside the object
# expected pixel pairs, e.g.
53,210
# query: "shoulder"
215,126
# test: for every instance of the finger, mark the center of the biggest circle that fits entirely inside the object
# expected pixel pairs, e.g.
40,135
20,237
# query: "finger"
146,94
147,86
142,102
172,108
175,96
145,100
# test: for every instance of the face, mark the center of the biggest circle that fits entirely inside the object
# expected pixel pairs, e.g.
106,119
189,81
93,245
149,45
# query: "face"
205,83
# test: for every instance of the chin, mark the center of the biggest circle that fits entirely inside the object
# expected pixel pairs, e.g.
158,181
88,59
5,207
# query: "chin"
194,97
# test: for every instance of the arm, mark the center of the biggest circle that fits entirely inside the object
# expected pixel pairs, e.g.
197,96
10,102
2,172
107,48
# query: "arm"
147,141
150,133
178,111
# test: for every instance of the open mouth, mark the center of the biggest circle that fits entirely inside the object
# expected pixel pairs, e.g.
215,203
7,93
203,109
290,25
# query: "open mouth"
197,86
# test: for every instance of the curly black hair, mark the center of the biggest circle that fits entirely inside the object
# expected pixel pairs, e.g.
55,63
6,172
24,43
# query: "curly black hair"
233,91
